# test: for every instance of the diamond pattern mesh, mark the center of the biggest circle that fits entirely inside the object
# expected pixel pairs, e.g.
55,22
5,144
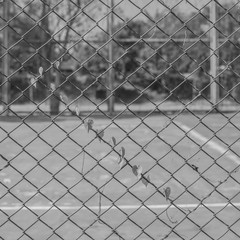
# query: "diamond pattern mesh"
119,119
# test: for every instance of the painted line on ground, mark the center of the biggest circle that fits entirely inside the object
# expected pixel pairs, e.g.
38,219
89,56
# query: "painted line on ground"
213,145
122,207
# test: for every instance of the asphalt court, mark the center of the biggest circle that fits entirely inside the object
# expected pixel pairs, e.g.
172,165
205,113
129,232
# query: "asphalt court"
45,178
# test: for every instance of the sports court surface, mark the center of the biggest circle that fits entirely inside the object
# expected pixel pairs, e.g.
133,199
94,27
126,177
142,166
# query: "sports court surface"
52,190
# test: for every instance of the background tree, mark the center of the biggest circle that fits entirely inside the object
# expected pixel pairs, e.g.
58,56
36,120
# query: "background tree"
60,25
158,67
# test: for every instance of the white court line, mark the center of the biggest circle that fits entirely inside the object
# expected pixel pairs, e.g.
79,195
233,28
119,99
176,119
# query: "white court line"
215,146
122,207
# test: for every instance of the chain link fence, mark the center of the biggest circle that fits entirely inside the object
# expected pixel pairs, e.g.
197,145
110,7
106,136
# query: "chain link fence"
119,119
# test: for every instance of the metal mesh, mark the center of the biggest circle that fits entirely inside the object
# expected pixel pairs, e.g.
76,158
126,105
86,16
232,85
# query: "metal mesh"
119,119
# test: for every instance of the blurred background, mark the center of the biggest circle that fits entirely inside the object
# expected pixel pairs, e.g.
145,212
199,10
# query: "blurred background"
112,53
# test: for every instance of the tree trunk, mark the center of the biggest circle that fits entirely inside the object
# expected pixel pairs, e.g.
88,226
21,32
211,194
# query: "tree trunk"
55,98
236,93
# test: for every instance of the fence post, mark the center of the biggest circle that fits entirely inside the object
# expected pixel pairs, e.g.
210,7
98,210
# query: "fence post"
214,88
5,63
111,77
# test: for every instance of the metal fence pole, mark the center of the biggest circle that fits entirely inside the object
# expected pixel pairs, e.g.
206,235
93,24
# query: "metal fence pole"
5,64
110,53
214,88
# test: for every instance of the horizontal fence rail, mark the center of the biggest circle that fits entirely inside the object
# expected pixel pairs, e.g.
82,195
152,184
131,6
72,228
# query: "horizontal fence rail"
119,119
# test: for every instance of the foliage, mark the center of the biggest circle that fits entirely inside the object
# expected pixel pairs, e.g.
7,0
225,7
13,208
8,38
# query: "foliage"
141,66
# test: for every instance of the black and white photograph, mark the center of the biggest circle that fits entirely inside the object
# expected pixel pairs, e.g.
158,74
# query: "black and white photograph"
119,119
